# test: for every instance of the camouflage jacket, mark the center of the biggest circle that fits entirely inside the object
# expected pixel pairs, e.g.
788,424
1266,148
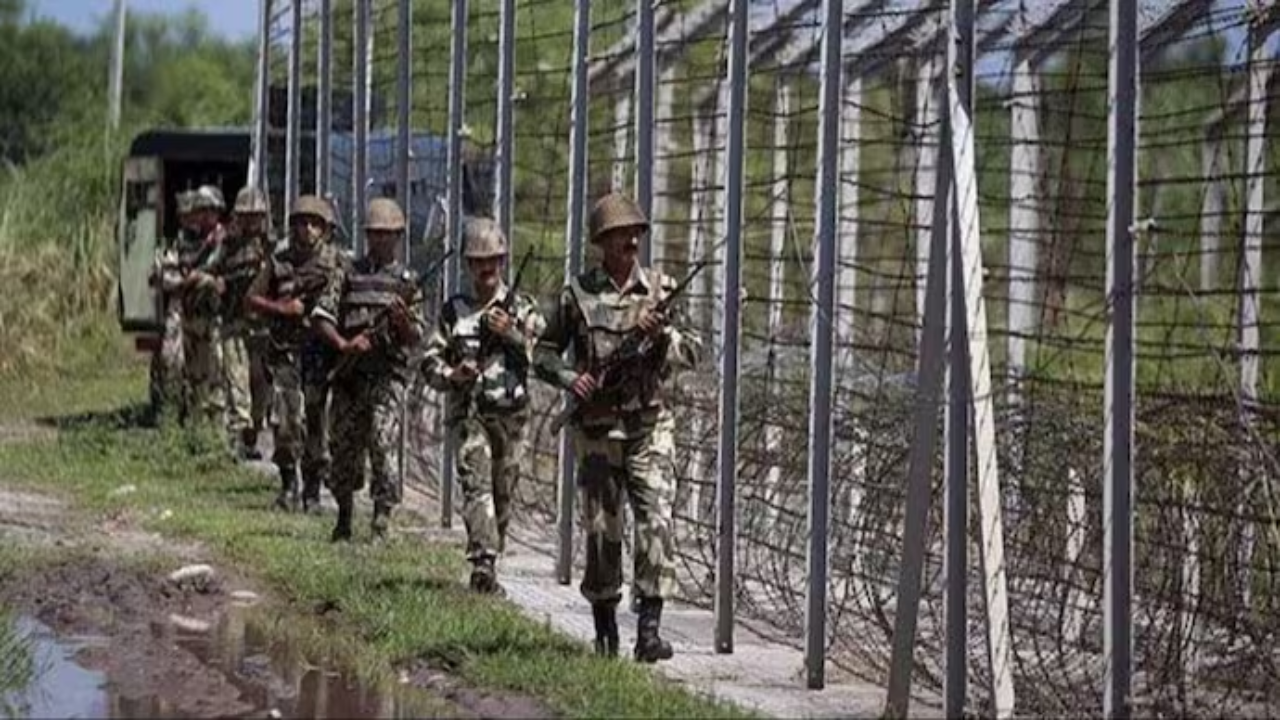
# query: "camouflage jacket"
297,273
238,265
592,318
502,386
184,255
358,300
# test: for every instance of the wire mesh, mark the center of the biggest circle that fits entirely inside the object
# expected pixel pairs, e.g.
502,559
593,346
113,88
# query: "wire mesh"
1207,540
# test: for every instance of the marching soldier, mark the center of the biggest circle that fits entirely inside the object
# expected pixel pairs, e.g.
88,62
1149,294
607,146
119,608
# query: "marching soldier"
236,267
623,430
285,292
168,384
480,355
201,306
373,319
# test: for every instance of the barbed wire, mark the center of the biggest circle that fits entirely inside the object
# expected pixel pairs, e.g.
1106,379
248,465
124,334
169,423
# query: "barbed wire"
1207,539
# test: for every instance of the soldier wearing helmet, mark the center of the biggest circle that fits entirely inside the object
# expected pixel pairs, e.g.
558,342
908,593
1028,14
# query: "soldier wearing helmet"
480,355
284,293
623,432
169,389
202,351
373,319
244,374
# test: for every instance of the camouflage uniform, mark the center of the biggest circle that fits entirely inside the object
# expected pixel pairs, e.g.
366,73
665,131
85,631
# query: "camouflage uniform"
623,433
298,360
168,386
368,389
202,356
488,417
237,267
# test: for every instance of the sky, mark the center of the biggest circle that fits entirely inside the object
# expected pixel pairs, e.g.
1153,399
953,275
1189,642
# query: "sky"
233,19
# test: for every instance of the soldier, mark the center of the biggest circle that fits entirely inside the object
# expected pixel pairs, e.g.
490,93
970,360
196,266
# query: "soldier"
236,267
623,430
374,320
200,306
168,386
480,355
286,291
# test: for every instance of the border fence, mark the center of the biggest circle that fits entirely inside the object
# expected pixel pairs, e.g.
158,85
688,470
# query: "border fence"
987,415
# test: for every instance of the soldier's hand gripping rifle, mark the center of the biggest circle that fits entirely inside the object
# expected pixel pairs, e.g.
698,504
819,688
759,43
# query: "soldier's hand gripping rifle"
488,338
635,347
382,322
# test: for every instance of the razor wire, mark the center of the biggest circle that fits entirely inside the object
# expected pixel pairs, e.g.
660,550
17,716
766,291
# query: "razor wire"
1206,536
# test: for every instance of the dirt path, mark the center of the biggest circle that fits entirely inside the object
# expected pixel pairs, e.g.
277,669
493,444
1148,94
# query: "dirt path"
125,623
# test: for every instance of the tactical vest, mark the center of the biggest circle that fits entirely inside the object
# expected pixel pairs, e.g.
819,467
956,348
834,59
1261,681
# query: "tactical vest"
365,301
606,325
299,278
502,385
239,269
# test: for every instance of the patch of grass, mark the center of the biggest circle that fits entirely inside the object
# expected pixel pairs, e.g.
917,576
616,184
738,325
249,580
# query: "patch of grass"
392,605
85,385
17,666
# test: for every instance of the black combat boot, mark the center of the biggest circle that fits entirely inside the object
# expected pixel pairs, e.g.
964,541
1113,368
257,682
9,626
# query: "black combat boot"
484,577
288,497
651,648
381,519
605,614
346,509
310,493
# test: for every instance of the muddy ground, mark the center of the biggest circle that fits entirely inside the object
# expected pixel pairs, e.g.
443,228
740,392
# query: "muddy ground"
120,637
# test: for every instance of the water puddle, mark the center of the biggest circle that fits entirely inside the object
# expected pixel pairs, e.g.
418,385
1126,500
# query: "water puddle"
244,675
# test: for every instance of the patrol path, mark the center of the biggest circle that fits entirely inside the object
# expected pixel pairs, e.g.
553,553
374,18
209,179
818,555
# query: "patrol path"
762,674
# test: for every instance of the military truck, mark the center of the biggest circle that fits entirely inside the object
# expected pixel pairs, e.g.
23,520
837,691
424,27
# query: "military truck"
163,162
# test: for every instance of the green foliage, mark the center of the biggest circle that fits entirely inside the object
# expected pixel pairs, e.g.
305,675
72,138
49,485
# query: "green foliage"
60,173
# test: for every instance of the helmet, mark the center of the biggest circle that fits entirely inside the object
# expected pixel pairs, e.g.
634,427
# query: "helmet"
183,202
314,206
615,211
384,214
208,197
251,200
483,238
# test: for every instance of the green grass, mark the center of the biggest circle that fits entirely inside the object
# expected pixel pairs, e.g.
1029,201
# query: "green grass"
17,666
396,603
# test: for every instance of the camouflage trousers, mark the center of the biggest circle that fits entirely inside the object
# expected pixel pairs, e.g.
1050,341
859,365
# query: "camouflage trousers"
246,380
641,469
490,452
366,425
202,360
300,424
168,390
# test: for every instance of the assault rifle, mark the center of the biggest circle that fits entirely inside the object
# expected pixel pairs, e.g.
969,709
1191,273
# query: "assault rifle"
635,347
383,321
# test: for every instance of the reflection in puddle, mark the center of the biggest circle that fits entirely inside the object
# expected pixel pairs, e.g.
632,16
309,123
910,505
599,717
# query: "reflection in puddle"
268,677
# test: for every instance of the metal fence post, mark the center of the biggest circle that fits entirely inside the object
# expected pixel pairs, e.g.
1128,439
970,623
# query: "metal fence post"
262,103
504,193
404,139
960,401
1117,511
726,485
822,325
293,140
324,100
644,93
457,114
1251,269
360,144
931,368
573,262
